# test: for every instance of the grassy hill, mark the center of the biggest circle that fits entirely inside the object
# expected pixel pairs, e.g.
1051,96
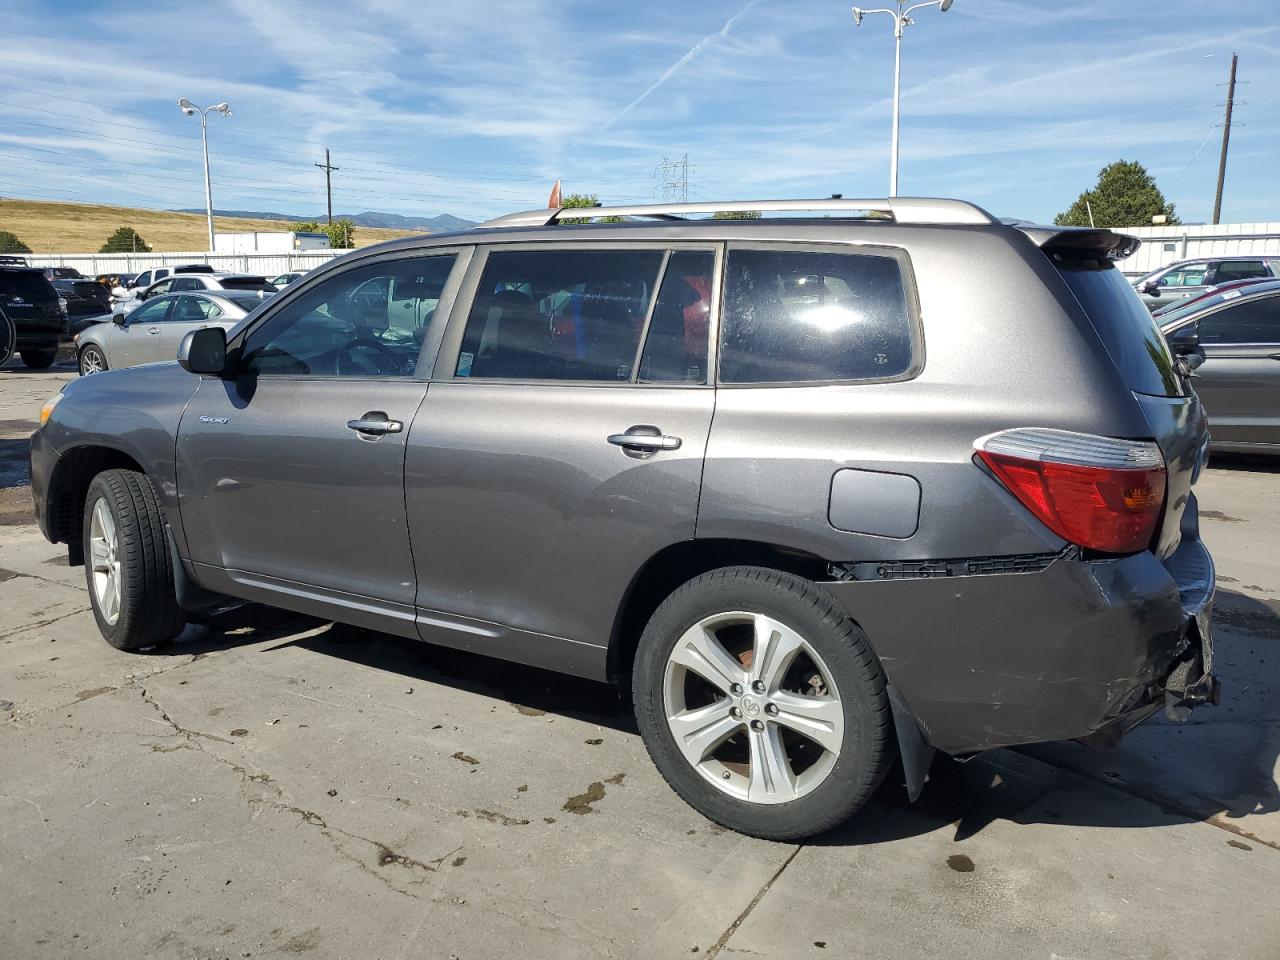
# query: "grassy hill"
50,227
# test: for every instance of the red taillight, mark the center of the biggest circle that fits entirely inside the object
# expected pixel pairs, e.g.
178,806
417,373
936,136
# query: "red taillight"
1097,492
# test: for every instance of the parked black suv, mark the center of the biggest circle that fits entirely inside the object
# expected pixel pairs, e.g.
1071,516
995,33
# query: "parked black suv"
86,300
31,304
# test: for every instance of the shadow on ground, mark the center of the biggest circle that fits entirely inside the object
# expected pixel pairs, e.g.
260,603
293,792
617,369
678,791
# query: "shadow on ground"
1002,785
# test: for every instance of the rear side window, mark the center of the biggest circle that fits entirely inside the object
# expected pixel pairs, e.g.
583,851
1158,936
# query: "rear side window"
1230,270
1128,331
238,283
797,316
559,315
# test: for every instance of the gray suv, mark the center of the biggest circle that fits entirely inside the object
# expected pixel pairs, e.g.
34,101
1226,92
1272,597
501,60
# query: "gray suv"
822,492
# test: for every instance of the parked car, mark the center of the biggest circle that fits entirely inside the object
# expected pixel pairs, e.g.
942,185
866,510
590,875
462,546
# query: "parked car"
285,279
861,556
62,273
1182,304
1188,278
153,331
31,305
1235,337
147,277
243,282
85,302
8,261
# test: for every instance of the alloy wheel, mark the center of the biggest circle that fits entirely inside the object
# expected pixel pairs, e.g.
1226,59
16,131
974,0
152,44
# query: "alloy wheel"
104,557
90,362
753,707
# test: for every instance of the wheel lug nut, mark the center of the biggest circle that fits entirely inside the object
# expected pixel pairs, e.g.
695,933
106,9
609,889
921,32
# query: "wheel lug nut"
725,775
735,713
758,686
757,724
771,709
735,689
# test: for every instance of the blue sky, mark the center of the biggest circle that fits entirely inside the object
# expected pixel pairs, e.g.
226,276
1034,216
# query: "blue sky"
476,108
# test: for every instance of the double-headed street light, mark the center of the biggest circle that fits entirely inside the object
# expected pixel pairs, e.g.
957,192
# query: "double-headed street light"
191,110
901,20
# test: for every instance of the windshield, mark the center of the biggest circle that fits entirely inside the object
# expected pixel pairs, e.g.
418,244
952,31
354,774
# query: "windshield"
1128,331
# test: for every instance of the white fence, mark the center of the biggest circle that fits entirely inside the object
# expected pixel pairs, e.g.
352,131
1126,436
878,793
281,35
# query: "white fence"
1162,245
266,264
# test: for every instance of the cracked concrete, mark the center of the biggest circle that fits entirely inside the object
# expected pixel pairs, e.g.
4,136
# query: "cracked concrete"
268,789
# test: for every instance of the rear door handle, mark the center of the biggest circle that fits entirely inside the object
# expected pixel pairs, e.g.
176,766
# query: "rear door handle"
644,441
375,423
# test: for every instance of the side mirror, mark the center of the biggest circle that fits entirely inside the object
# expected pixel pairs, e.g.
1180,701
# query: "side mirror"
1185,340
1193,359
118,319
204,351
1151,288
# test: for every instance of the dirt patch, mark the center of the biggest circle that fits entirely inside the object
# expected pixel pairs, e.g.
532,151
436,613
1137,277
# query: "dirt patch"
16,509
581,804
465,758
492,816
1219,515
960,863
95,692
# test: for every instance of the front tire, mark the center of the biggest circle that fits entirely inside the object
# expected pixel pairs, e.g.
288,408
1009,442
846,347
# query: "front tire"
127,563
91,360
39,359
762,703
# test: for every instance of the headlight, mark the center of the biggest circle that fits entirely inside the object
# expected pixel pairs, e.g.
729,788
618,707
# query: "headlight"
47,409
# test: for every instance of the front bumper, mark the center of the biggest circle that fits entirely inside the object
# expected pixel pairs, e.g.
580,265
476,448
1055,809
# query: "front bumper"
1064,652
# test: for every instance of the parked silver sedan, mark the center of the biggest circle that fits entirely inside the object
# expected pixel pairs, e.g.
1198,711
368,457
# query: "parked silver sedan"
153,331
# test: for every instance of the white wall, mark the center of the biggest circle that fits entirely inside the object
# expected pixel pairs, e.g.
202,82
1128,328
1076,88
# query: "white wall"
1162,245
270,264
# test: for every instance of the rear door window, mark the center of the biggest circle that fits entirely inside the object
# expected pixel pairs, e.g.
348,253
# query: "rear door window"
1229,270
799,316
675,347
559,315
1189,275
1127,329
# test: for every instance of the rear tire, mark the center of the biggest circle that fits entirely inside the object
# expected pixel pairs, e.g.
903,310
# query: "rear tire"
797,687
127,564
39,359
8,338
91,360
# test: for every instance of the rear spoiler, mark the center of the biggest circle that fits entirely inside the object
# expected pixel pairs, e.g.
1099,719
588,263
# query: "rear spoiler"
1081,242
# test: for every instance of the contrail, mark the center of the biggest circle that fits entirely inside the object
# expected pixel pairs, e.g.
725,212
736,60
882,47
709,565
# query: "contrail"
684,61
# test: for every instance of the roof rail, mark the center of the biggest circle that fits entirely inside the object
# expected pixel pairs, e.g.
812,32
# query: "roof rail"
899,209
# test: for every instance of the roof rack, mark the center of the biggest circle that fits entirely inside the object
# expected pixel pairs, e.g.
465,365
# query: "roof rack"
899,209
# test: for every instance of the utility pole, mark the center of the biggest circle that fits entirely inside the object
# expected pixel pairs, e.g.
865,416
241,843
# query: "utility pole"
328,169
1226,139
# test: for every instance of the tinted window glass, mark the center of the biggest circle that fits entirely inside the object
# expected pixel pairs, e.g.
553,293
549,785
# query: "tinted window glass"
675,348
1127,329
185,283
366,322
1230,270
1254,321
193,310
559,314
240,283
797,316
246,301
29,285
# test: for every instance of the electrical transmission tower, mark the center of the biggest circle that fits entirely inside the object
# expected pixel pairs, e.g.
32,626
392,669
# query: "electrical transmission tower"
673,179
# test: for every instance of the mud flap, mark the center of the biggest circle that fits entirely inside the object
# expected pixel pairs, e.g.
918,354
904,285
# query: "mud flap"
917,755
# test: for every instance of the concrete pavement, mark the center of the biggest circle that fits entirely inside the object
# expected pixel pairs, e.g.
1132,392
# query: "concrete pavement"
271,786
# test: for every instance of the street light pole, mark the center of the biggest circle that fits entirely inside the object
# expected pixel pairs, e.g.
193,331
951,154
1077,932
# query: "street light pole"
191,110
901,20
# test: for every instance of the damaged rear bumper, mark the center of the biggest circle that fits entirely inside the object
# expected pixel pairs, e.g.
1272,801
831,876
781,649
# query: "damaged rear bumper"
1070,649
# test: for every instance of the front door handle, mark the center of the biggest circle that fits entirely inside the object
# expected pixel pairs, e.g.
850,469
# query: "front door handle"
153,330
375,423
644,441
1275,356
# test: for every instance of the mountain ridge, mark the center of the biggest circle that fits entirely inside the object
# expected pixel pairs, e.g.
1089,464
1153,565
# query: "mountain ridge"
441,223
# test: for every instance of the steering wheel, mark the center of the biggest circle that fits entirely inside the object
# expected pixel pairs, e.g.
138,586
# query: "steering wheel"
366,355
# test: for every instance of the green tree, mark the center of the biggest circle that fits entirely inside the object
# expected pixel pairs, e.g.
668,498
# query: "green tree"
124,240
309,226
342,234
1124,196
9,243
579,200
736,215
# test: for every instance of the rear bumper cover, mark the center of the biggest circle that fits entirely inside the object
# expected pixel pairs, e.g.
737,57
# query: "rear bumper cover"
1078,647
